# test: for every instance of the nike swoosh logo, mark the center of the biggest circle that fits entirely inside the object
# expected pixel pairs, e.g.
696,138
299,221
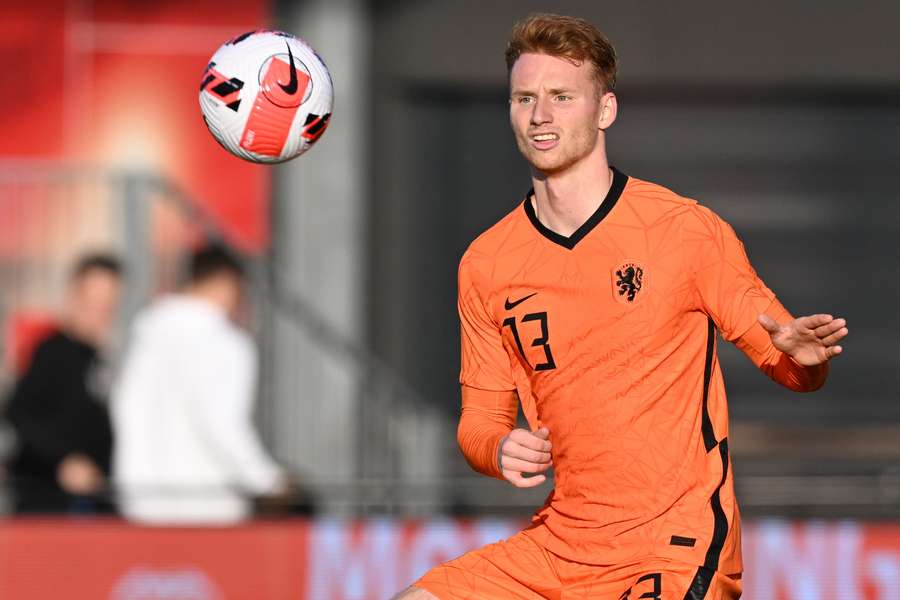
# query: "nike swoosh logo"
291,88
511,305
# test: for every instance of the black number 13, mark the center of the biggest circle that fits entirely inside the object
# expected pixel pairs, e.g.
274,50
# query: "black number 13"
543,340
654,594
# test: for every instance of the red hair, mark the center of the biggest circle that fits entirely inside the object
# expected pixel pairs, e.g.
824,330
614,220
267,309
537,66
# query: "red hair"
572,38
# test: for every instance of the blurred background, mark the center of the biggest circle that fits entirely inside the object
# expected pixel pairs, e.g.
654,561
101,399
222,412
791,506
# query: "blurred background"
782,117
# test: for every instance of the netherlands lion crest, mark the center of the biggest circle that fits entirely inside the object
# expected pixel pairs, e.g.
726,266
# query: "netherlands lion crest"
628,281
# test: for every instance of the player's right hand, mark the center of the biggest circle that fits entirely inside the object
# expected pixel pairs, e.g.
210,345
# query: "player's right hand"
524,452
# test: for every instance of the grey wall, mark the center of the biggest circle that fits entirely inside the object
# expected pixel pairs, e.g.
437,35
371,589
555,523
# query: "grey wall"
765,42
317,316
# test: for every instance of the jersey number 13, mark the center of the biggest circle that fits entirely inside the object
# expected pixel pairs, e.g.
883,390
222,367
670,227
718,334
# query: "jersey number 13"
543,340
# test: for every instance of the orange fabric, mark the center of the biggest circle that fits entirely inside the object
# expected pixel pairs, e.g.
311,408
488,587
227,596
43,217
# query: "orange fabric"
757,345
521,569
609,339
485,419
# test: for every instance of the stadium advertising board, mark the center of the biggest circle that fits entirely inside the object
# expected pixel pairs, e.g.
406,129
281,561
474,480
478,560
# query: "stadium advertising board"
361,560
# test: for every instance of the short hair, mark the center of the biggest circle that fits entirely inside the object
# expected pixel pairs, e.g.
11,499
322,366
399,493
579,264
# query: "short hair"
211,261
97,261
572,38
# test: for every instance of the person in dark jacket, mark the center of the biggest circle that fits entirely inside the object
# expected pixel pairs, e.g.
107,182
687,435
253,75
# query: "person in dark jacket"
58,408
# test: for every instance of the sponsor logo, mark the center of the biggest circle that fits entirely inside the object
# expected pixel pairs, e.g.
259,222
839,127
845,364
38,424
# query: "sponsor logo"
143,583
511,305
291,88
280,67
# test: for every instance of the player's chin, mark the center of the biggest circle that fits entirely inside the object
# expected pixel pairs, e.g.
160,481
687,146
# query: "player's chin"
550,167
549,162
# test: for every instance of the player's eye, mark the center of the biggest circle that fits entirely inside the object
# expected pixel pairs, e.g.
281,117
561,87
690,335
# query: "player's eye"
563,98
525,99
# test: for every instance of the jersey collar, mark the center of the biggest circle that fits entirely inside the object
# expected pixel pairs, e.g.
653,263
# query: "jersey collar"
615,191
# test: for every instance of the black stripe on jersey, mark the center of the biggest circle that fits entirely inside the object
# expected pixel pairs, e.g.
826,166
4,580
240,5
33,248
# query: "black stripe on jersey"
615,191
709,436
703,578
720,529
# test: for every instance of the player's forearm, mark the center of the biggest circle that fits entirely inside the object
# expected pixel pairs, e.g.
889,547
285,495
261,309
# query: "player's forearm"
480,443
781,368
795,376
485,419
757,345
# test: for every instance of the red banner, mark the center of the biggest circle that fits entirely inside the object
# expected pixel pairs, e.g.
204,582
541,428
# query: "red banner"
115,84
360,560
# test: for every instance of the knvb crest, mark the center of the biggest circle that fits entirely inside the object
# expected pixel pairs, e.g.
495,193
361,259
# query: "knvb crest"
628,281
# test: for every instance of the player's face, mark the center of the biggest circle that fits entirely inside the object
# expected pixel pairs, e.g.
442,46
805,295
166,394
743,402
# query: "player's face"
556,111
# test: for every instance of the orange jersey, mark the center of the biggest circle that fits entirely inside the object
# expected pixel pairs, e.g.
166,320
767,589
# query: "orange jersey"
609,338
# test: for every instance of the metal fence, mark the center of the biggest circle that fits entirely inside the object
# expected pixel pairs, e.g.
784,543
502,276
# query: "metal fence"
53,213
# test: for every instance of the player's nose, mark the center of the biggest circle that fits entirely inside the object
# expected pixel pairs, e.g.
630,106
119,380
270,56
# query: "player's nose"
540,112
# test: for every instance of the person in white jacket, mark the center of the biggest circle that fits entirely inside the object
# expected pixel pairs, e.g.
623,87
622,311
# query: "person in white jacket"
186,449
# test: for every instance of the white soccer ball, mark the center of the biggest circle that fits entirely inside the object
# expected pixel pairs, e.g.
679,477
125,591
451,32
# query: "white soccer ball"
266,96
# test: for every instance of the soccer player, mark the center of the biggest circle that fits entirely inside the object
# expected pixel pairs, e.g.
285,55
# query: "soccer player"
596,305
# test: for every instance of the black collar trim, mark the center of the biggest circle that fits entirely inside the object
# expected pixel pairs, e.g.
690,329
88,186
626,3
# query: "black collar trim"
615,191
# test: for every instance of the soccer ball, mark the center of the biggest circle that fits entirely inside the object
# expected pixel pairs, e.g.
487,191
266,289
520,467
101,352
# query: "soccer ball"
266,96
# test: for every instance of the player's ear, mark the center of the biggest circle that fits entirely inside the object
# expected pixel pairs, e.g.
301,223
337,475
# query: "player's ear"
609,107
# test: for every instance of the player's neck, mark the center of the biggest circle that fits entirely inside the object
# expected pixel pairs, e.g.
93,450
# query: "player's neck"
563,202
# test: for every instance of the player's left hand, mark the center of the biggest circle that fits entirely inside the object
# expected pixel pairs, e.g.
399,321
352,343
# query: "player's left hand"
810,340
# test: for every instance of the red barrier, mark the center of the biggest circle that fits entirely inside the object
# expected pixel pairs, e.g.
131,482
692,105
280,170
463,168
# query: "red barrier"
359,560
99,559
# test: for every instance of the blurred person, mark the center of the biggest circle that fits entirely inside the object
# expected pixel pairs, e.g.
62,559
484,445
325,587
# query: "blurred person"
595,304
58,407
186,450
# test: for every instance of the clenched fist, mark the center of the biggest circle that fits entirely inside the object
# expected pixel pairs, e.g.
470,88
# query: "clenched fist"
523,452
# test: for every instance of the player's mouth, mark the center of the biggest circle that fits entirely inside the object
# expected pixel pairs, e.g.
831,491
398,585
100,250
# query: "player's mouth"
544,141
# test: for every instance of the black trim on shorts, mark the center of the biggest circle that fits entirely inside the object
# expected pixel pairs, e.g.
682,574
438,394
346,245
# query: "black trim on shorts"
615,191
709,436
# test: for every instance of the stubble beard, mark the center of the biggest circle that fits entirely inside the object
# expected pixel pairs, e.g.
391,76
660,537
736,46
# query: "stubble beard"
557,160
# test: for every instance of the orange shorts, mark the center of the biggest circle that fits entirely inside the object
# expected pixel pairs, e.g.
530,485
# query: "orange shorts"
519,568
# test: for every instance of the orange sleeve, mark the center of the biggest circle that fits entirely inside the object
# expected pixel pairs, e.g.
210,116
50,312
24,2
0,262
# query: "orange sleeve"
484,362
485,419
757,345
726,285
